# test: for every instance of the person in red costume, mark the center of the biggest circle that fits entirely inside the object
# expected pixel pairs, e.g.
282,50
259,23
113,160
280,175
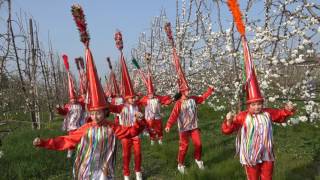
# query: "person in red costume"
112,90
95,141
254,142
82,87
185,112
127,112
73,111
152,104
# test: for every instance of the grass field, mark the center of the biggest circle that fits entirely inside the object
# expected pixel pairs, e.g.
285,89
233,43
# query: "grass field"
297,150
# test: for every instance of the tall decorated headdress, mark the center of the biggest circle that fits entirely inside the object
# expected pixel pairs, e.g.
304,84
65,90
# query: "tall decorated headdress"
126,85
146,77
82,78
115,91
182,82
251,84
96,98
71,88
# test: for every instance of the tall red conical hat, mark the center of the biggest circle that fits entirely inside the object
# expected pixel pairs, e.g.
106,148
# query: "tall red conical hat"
82,78
126,84
150,84
71,88
107,88
182,82
125,79
95,95
96,98
112,80
150,88
251,86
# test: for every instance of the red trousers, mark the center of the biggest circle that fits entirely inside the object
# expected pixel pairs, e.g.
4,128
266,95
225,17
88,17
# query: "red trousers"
126,154
155,129
184,143
261,171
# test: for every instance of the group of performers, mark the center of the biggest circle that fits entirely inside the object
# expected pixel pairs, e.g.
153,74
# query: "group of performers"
94,137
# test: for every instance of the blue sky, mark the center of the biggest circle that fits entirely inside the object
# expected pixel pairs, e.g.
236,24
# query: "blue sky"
103,17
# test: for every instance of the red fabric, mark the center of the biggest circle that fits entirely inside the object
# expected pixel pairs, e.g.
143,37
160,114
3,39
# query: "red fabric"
73,138
262,171
150,88
277,115
116,108
155,129
252,85
115,90
127,144
177,107
97,99
182,82
125,79
63,110
184,143
139,125
164,100
66,142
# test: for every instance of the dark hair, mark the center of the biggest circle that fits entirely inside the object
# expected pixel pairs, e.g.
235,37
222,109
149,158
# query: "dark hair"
106,112
177,96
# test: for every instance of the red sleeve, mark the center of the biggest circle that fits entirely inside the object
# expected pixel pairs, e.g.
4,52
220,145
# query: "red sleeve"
65,142
83,105
63,110
164,100
115,108
235,125
278,115
142,101
174,114
203,97
128,132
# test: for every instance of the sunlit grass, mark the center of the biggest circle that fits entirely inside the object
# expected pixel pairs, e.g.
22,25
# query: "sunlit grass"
297,150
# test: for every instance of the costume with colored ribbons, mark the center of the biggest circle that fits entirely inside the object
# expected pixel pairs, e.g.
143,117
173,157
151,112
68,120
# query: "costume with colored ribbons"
185,112
153,114
127,119
73,114
95,147
254,143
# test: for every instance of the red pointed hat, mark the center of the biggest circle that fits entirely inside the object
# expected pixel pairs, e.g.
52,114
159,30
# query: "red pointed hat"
252,85
112,80
82,78
107,88
71,88
150,84
96,98
182,82
126,85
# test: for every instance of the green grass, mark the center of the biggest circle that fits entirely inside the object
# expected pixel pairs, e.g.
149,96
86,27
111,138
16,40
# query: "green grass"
297,150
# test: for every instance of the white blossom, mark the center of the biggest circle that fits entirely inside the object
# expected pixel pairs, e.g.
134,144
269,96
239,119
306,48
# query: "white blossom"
303,118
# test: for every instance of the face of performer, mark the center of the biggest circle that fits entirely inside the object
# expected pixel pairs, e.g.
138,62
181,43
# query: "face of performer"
130,100
73,101
255,107
185,94
97,116
150,96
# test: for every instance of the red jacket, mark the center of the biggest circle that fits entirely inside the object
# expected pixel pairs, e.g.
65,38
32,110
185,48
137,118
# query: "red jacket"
70,141
177,107
277,115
